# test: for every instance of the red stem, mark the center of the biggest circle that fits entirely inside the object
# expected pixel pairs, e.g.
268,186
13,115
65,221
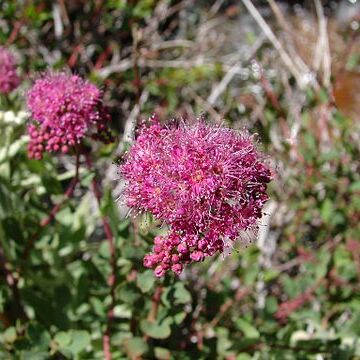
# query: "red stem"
155,303
102,58
112,278
68,193
154,307
15,31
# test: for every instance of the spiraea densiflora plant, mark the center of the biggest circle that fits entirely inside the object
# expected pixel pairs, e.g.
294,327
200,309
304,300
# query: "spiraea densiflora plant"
65,109
9,79
207,183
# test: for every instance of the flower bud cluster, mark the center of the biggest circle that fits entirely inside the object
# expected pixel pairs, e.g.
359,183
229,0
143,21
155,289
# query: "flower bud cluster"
65,109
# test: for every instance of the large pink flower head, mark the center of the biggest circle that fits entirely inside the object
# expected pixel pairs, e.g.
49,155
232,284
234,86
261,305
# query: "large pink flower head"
9,80
65,109
207,183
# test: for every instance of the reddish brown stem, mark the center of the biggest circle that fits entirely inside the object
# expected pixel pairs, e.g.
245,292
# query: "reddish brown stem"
106,345
68,194
112,278
103,57
270,94
74,56
154,307
155,304
286,308
15,32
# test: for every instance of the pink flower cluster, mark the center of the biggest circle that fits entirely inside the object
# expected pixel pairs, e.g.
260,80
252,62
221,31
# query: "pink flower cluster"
9,80
207,183
65,109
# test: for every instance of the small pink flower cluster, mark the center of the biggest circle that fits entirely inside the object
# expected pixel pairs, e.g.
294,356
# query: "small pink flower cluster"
65,109
207,183
9,80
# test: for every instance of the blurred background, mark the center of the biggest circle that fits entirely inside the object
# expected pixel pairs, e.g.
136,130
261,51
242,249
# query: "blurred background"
286,70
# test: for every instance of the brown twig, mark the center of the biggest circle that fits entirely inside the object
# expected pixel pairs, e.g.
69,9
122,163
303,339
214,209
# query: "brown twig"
112,278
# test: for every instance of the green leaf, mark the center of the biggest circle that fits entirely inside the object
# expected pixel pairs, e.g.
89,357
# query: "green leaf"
179,317
75,341
99,306
145,281
156,330
181,295
128,293
355,187
224,341
10,335
162,353
322,264
62,338
243,356
123,311
270,275
34,355
38,336
326,211
248,330
135,347
13,230
271,305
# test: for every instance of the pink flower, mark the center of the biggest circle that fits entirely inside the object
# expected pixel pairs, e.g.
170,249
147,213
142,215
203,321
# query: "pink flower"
207,183
177,268
65,109
197,255
182,248
159,271
9,80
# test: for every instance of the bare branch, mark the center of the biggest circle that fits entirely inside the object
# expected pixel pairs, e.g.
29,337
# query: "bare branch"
220,88
302,79
323,44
